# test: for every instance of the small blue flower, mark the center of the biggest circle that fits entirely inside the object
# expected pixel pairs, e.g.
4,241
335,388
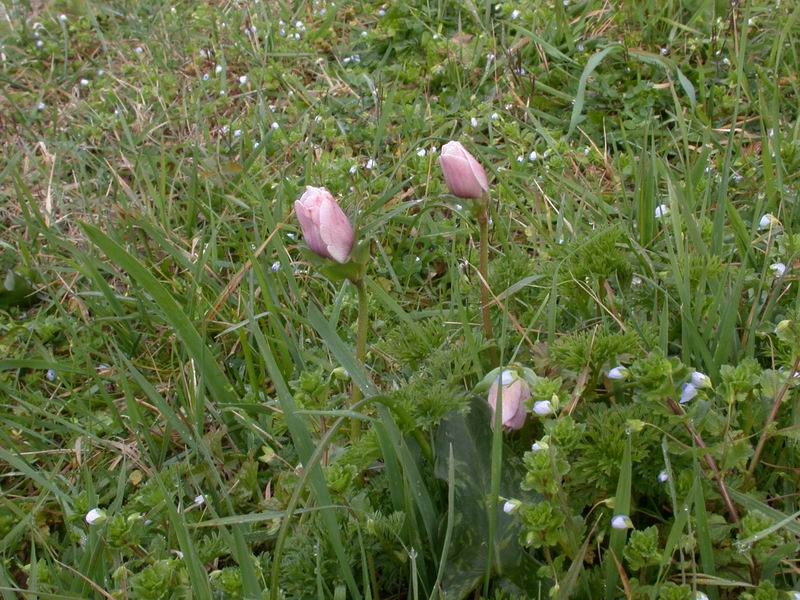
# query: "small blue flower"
778,268
619,373
621,522
767,220
700,380
688,392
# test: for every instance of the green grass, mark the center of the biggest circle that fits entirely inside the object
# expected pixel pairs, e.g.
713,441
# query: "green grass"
171,354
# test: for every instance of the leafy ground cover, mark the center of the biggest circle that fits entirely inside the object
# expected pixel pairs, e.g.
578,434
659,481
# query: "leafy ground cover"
177,369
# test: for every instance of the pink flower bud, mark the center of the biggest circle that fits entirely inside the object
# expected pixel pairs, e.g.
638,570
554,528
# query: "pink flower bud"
326,229
515,393
462,173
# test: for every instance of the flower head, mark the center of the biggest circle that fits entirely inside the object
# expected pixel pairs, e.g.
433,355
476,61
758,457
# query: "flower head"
619,373
767,220
700,380
778,268
621,522
463,174
543,408
511,506
539,446
96,515
662,210
663,476
326,229
514,394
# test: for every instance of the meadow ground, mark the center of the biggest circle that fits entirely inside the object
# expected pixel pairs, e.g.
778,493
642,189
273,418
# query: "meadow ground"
185,409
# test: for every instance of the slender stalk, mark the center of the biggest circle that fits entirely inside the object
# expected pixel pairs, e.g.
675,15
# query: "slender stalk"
373,577
773,414
361,349
712,464
483,269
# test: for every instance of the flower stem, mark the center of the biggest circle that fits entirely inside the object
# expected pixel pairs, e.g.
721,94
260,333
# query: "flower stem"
712,464
483,269
773,414
361,349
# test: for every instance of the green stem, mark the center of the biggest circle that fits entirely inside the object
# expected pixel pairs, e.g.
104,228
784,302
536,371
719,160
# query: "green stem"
373,576
483,269
361,349
773,414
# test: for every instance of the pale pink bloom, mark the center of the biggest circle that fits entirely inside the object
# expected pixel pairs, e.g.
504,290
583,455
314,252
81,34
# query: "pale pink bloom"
515,393
463,174
326,229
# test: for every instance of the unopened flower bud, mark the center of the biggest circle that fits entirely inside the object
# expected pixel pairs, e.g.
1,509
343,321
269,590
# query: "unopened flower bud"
621,522
700,380
768,220
326,229
778,269
543,408
96,516
618,373
463,174
514,394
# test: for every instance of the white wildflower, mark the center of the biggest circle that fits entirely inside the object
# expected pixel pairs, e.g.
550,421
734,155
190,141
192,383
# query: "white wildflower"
767,221
621,522
778,269
96,515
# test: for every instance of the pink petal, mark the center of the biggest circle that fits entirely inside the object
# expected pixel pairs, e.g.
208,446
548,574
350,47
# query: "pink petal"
335,230
478,172
514,397
308,215
463,175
